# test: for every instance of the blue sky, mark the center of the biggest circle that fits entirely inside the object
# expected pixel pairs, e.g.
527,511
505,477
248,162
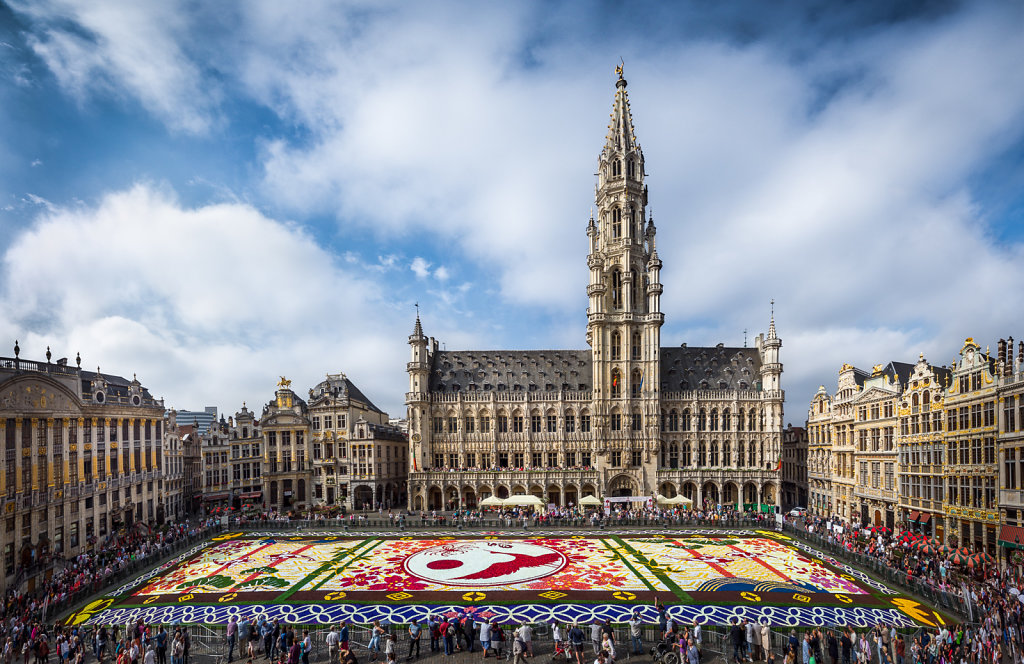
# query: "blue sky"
212,195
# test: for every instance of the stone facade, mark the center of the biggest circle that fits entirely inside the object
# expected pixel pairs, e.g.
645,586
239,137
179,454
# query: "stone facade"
876,457
921,438
1011,443
626,417
820,465
84,459
794,467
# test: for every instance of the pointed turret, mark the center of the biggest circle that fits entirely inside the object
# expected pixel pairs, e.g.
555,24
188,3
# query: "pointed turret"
621,134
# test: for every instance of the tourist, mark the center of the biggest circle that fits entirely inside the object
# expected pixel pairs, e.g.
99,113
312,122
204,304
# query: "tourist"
498,638
331,640
595,635
737,637
766,639
692,653
415,632
485,637
576,642
434,627
635,633
518,650
469,632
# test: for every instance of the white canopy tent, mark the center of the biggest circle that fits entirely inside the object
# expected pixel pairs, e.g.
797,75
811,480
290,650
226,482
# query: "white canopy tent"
590,501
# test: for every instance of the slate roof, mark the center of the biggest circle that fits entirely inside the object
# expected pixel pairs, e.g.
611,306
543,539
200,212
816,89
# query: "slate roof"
709,368
509,370
116,386
682,368
341,388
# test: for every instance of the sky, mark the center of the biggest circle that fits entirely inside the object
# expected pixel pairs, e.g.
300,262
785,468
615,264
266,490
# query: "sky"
214,195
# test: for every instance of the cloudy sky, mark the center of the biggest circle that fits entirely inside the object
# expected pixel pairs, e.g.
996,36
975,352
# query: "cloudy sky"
212,195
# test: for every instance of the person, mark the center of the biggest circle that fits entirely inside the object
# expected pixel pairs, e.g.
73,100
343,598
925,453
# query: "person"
766,639
662,617
698,639
389,647
343,638
608,647
692,654
595,636
469,632
448,632
485,637
376,632
434,629
498,639
347,656
557,637
150,657
752,640
232,634
576,642
635,633
161,646
736,636
332,645
805,648
526,634
177,648
294,652
846,643
518,650
307,646
415,632
833,647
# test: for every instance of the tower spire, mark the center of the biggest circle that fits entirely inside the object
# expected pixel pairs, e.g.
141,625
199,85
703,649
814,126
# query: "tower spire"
621,134
771,325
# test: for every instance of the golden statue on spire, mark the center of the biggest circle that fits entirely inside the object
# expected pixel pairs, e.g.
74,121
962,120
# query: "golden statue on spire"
618,68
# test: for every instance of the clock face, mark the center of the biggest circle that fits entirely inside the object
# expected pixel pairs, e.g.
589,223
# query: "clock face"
415,438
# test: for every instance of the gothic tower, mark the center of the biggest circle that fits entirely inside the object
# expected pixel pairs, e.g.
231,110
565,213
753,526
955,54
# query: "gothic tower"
624,315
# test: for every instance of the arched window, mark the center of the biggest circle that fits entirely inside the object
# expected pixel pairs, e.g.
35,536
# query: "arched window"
702,454
726,454
739,421
631,168
616,289
752,455
714,419
702,420
925,399
616,223
687,457
726,420
634,289
673,455
686,420
636,346
616,347
616,383
636,383
673,420
617,164
739,455
761,420
752,420
713,460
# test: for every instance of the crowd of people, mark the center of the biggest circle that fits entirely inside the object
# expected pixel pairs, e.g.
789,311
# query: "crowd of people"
24,615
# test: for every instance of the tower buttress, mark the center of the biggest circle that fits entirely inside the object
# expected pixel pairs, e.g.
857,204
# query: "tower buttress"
417,399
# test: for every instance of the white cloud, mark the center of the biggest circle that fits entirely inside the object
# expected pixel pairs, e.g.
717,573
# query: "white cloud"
128,48
441,273
420,267
206,304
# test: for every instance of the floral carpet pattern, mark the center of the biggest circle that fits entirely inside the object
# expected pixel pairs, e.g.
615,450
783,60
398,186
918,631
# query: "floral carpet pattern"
319,577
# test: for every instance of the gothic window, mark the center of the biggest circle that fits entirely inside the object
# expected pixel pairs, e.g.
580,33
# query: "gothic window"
752,455
702,454
635,347
713,459
616,223
616,289
616,383
673,420
739,454
726,420
631,168
632,223
686,454
739,421
752,420
664,423
714,419
686,420
702,420
726,454
634,285
636,383
616,167
673,455
616,347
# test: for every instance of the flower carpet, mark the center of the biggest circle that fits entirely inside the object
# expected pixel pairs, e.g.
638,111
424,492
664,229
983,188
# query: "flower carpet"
321,578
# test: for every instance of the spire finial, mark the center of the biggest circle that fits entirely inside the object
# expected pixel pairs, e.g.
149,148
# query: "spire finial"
78,360
48,354
619,68
744,337
417,330
17,349
771,325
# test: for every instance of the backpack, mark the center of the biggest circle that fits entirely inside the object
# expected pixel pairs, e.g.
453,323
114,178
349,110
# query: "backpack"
450,631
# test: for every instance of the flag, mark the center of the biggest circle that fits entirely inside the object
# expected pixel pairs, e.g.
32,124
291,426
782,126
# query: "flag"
414,466
779,467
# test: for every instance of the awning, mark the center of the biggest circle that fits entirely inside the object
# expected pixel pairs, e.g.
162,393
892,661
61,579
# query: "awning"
925,516
251,494
914,515
1012,537
217,496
